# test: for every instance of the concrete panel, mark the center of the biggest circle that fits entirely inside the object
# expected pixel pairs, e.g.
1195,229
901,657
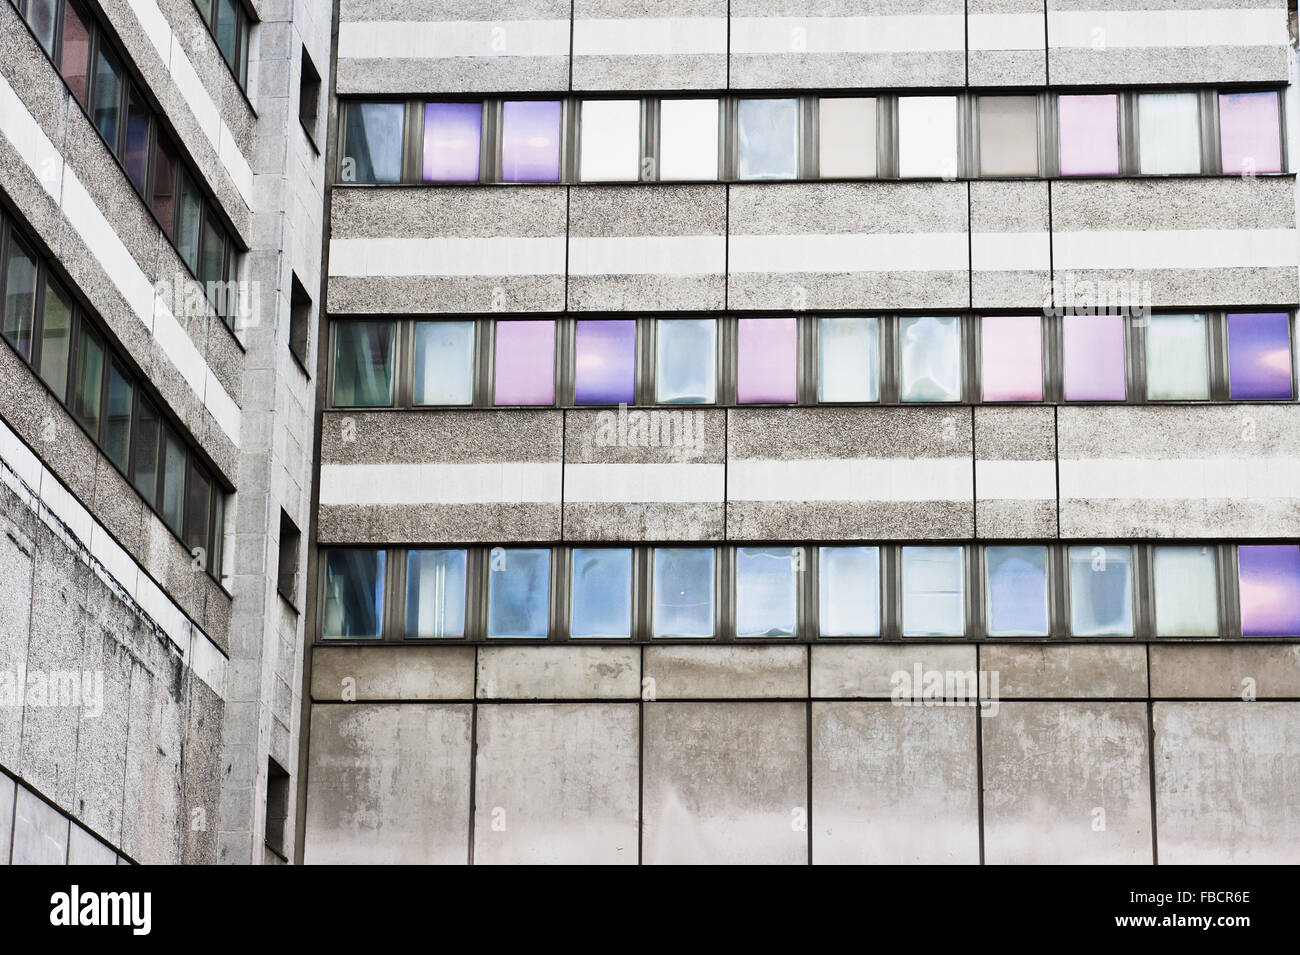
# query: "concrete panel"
1010,244
556,784
153,803
724,783
388,784
40,831
894,785
1225,671
559,673
1015,472
1068,671
201,770
681,45
85,849
1067,783
1228,782
7,795
720,672
867,671
1005,43
16,550
360,674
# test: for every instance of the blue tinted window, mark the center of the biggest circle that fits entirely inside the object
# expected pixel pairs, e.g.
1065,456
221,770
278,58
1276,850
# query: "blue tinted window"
1101,592
1016,589
769,138
519,593
686,360
683,592
766,591
602,592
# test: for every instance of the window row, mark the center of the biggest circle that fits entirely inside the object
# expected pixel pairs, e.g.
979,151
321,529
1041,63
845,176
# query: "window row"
677,139
861,359
231,27
812,592
64,344
98,77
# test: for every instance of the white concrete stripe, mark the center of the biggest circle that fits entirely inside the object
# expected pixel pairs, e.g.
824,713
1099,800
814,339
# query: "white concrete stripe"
920,33
1005,31
672,483
1010,251
849,252
447,256
1015,480
1180,479
407,40
648,255
852,479
1175,249
642,36
1153,29
504,482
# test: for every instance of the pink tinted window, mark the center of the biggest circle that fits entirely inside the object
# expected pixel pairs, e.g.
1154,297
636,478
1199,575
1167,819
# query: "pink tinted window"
525,363
1089,135
451,141
1249,137
1094,358
766,368
1011,357
1269,576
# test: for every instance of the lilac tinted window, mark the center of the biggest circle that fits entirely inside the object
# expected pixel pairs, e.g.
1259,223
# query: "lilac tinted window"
1089,135
1269,575
1094,358
1249,135
525,363
1259,355
605,362
768,349
1011,357
451,141
530,141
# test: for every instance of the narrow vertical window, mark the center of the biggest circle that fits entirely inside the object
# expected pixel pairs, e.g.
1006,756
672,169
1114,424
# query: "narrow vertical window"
212,261
227,28
444,363
1089,134
135,155
106,110
927,137
1169,133
20,296
1186,582
74,55
1011,357
1250,138
173,493
934,592
117,415
688,139
1269,578
1015,590
767,588
847,141
1178,358
1101,591
768,134
372,143
163,198
930,355
187,231
452,139
435,593
848,359
1094,358
198,507
519,592
56,337
602,592
525,363
354,593
686,361
605,361
89,379
363,364
530,141
683,604
42,17
848,584
610,140
1259,355
144,463
767,360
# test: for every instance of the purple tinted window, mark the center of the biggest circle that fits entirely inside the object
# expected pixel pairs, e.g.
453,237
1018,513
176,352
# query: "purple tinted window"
1094,358
1011,357
525,363
1270,589
451,141
1249,136
768,348
605,362
530,141
1259,355
1089,135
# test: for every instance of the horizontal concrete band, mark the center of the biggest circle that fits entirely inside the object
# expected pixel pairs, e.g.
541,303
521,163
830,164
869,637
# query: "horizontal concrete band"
644,483
396,40
648,255
1174,249
407,484
1004,31
449,256
1180,479
1101,30
860,479
1015,480
642,36
910,33
59,179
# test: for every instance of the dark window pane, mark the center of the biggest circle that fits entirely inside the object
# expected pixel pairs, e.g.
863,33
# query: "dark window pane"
198,500
218,532
90,377
163,201
144,467
173,494
213,257
363,364
107,106
56,332
135,156
435,593
74,61
372,143
187,235
243,51
205,10
117,416
354,593
227,29
42,16
20,297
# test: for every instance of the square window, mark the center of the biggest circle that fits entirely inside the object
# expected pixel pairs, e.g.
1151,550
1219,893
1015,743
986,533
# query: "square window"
602,592
452,138
767,353
1186,591
1259,355
1178,358
934,592
768,131
848,359
931,358
1015,587
1101,592
927,137
686,360
354,593
1269,577
363,364
683,592
688,139
848,584
1089,126
1008,135
767,591
106,107
847,144
519,592
610,144
525,363
1169,133
444,363
604,365
530,141
372,142
435,593
1011,357
1094,358
1250,138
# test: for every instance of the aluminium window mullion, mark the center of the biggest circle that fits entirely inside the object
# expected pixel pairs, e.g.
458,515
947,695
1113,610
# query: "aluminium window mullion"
724,577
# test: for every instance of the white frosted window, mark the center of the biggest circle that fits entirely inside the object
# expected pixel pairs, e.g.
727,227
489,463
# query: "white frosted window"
683,592
930,349
685,360
444,363
688,139
610,143
768,130
767,587
1101,591
1169,133
848,359
1187,592
1178,357
847,147
848,582
927,137
1015,591
934,593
